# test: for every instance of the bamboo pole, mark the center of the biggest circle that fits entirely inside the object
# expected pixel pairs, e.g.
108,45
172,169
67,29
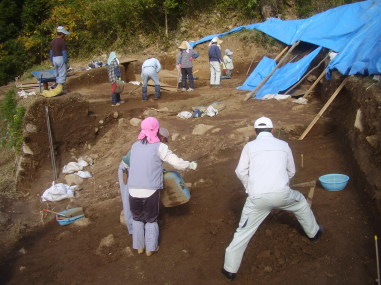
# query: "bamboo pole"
281,53
314,84
324,108
307,74
247,73
252,93
51,144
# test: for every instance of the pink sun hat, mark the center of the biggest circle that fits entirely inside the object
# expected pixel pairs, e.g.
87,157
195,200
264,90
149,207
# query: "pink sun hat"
149,128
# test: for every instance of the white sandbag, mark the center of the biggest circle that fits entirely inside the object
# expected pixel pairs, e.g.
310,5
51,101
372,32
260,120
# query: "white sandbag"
211,111
82,163
83,174
72,167
58,192
184,115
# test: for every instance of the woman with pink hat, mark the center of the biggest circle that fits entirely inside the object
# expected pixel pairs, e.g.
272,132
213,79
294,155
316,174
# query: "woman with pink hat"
145,180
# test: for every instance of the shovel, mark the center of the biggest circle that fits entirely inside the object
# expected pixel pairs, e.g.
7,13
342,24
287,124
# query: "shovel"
58,214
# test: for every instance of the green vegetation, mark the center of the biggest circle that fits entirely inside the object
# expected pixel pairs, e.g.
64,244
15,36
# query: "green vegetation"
12,121
96,26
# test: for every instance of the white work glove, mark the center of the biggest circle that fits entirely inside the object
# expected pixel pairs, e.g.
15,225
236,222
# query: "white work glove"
193,165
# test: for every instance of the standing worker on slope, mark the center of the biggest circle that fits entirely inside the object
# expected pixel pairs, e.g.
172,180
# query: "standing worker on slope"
265,168
215,60
145,180
60,60
150,69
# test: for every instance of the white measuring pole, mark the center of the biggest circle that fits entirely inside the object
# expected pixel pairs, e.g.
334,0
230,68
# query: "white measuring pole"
51,144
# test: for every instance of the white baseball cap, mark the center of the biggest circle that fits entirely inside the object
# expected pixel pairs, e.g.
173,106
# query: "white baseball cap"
61,29
263,123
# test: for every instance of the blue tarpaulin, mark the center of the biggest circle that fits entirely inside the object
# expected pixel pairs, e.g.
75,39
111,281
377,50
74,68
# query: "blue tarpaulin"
352,30
283,77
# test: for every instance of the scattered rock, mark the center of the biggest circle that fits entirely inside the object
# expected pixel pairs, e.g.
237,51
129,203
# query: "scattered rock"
122,219
101,122
83,222
22,251
175,136
268,269
26,149
150,113
135,122
106,242
201,129
216,130
30,128
116,115
128,251
22,268
73,179
358,121
373,141
121,122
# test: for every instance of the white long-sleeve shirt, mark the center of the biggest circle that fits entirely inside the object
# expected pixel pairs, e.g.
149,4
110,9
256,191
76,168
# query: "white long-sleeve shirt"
166,155
266,165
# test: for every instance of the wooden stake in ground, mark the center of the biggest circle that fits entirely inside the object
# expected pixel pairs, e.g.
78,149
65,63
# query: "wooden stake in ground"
281,53
52,157
378,263
248,70
323,109
252,93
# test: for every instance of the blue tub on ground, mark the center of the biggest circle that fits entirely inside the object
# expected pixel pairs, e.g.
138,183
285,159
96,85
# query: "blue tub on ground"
175,190
71,216
334,181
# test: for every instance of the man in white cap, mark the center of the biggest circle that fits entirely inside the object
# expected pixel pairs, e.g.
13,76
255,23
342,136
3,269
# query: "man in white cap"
215,60
265,168
60,59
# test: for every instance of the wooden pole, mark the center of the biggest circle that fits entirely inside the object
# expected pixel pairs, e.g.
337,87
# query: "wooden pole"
247,73
52,157
281,53
308,73
252,93
313,85
323,109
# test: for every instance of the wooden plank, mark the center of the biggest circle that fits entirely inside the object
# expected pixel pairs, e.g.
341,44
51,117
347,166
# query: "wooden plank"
247,73
281,53
323,109
313,85
252,93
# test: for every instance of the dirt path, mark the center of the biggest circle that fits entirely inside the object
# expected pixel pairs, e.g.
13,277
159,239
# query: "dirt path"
193,236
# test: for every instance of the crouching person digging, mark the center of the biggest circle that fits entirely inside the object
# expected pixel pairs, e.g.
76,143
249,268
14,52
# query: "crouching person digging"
265,168
145,182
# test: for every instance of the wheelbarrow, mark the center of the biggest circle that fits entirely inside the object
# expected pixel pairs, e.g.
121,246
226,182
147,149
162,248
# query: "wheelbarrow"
43,77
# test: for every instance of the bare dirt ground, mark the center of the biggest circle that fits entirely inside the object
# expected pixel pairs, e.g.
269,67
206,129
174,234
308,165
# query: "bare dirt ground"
193,236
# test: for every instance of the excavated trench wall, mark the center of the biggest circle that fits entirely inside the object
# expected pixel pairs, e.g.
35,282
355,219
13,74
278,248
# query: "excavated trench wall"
357,112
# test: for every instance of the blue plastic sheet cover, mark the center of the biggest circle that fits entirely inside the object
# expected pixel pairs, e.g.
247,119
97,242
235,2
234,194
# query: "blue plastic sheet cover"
264,67
352,30
282,79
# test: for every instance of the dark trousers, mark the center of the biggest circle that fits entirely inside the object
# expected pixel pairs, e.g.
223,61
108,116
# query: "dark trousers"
187,73
145,210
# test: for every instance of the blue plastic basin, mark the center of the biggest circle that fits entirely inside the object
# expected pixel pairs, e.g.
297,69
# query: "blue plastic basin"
334,181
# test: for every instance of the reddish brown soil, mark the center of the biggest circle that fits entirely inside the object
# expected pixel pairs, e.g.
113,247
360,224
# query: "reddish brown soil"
193,236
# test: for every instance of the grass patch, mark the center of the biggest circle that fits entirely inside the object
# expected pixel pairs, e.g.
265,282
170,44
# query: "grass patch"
12,117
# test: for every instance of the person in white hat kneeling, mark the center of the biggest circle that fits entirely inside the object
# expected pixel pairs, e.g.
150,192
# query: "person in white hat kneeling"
265,169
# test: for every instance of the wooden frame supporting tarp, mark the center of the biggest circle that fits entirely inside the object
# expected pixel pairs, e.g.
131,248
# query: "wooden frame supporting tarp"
260,85
317,117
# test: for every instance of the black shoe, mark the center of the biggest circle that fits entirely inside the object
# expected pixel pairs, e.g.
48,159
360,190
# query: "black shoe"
318,235
230,276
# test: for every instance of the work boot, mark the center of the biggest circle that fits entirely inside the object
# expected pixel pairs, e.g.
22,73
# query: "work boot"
53,92
141,250
190,89
318,235
149,253
157,91
230,276
144,93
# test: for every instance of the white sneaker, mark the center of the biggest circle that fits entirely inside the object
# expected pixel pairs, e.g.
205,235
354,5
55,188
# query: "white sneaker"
190,89
183,89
